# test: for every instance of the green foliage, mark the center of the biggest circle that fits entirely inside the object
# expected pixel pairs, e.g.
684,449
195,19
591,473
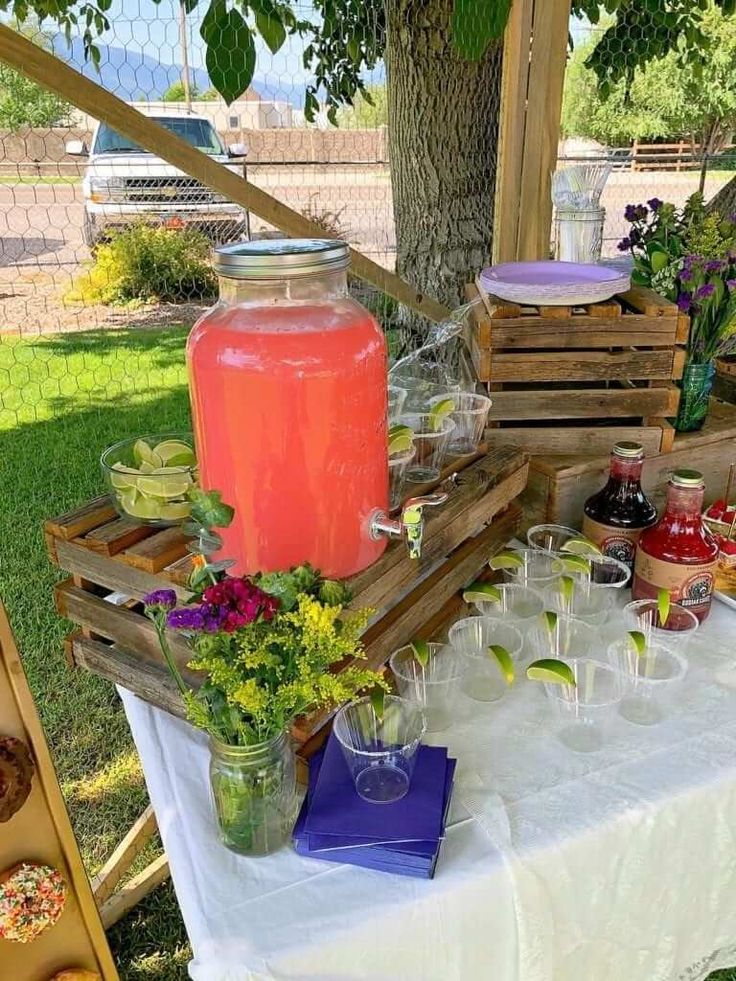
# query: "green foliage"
664,99
144,263
369,111
23,103
175,93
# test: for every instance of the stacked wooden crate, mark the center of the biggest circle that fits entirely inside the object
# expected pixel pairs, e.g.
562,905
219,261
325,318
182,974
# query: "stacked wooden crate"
576,380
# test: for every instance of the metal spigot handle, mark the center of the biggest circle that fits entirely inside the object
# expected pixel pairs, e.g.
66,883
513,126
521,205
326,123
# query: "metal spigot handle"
412,520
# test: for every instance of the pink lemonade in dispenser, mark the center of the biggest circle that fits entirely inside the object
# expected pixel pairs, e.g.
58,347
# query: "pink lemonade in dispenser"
288,389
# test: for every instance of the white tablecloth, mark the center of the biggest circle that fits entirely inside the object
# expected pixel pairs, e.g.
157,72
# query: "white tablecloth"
611,866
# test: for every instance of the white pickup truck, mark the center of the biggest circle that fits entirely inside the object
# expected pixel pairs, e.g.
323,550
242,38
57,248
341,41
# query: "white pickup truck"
124,183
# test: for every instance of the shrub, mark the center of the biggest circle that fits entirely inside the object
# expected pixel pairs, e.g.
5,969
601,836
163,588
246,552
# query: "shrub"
146,263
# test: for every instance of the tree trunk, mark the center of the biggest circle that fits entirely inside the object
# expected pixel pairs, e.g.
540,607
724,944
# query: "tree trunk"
443,117
724,202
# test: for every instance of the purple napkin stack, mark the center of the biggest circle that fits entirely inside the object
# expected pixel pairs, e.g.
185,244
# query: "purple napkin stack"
404,837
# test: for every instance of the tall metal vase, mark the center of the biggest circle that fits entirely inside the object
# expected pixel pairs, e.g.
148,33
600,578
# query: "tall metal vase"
696,385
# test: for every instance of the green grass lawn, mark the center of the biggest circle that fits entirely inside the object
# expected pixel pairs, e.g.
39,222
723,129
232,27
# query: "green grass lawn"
62,400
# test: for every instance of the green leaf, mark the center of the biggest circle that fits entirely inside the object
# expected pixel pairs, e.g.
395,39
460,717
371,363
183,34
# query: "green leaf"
475,23
269,24
231,54
659,260
209,510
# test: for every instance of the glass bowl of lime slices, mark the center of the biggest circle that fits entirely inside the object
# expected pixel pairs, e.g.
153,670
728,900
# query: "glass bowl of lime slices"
149,477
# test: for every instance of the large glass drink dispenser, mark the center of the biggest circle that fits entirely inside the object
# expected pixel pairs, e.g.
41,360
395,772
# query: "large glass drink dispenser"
287,378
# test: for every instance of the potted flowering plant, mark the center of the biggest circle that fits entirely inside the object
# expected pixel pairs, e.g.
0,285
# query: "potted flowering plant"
264,646
689,256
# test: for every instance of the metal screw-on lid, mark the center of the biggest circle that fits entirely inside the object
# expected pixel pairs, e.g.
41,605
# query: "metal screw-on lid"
281,258
686,478
627,449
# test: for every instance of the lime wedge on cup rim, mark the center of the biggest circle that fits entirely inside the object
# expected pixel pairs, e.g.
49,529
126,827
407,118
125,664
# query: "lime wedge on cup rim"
663,606
506,560
580,546
573,563
567,588
549,618
504,660
420,650
638,641
482,592
551,671
439,411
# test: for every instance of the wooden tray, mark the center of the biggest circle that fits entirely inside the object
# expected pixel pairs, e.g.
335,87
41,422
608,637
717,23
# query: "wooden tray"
114,562
578,380
41,832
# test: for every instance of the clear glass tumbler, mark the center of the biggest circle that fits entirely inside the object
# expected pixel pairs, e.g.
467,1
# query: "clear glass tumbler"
471,639
551,538
519,604
650,679
681,625
584,711
431,443
569,637
433,686
380,752
537,569
397,467
587,602
470,416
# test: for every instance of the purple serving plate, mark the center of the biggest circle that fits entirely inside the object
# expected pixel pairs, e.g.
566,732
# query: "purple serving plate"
553,283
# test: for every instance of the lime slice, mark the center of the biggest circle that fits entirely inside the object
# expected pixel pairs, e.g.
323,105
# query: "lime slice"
400,443
142,453
663,606
482,592
140,507
124,477
551,671
549,618
174,510
439,411
399,429
164,485
638,641
567,588
504,661
420,650
580,546
573,563
506,560
147,467
174,452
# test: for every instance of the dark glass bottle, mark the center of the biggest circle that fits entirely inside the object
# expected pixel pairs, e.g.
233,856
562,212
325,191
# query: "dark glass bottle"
615,516
679,554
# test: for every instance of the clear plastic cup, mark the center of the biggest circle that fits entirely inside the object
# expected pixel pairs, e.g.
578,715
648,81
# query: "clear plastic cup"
551,538
643,615
650,679
431,446
538,569
585,711
396,399
570,637
433,686
471,638
380,753
589,603
397,467
470,416
422,390
519,604
608,572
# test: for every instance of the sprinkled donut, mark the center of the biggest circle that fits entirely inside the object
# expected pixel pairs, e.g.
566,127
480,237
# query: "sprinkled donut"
32,898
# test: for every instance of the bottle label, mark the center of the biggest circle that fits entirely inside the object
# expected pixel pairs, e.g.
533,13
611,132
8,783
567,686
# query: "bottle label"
689,585
619,543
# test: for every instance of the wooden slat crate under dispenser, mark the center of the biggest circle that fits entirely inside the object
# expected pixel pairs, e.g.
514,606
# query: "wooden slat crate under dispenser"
576,380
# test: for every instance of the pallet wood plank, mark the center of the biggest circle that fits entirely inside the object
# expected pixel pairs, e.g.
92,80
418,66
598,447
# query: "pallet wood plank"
646,301
569,334
155,553
580,439
555,312
117,865
495,307
582,404
134,891
582,366
79,521
606,308
110,572
116,535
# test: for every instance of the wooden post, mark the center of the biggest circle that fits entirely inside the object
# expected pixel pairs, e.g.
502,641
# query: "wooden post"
535,51
48,71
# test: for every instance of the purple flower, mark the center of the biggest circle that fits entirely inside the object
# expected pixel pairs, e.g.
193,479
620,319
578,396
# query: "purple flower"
707,289
630,212
683,302
624,245
655,204
714,266
731,283
188,618
164,598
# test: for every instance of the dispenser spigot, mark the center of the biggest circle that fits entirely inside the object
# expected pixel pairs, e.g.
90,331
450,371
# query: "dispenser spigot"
410,523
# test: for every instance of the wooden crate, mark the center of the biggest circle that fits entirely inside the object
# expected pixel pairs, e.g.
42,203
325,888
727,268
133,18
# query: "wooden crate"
114,562
567,380
724,385
559,485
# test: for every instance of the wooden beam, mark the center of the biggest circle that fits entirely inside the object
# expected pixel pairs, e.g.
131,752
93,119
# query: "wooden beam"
117,865
48,71
134,891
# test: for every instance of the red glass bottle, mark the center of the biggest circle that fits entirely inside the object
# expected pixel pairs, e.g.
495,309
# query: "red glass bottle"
615,516
679,553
